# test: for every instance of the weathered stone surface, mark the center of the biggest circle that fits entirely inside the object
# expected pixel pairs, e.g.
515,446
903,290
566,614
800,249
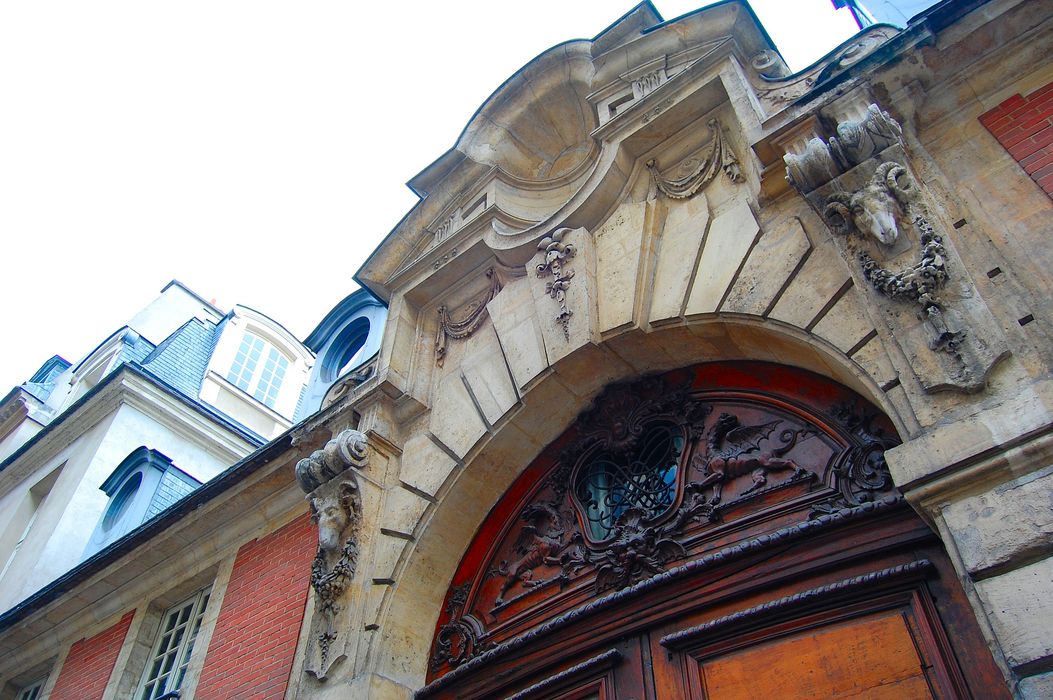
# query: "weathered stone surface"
774,258
950,445
731,234
1020,607
619,245
1005,523
423,465
678,249
1038,687
874,360
402,509
454,418
821,277
386,553
847,323
486,374
519,330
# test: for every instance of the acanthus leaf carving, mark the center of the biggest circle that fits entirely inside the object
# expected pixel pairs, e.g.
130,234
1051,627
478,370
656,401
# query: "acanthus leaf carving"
720,159
332,489
557,253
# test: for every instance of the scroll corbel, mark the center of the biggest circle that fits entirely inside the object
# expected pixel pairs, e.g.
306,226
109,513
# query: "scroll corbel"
332,489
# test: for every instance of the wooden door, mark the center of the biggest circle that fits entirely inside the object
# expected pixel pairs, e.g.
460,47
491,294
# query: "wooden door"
724,531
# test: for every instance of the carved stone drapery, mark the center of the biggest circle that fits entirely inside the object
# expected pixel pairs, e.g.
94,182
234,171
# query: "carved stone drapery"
472,318
332,489
729,457
557,253
720,159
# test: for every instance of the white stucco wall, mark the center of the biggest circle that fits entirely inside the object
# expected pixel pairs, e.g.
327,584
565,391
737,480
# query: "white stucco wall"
69,515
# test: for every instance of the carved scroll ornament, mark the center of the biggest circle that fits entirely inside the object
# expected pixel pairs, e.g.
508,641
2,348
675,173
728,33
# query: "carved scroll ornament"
557,253
720,159
332,489
458,329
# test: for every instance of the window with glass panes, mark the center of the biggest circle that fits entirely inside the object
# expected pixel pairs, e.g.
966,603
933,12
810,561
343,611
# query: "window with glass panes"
254,354
175,642
32,691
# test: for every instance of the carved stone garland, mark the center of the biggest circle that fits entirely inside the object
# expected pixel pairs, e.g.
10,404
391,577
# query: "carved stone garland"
553,549
860,183
720,158
332,488
557,253
467,324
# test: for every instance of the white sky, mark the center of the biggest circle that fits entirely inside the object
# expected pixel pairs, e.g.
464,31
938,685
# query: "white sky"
256,151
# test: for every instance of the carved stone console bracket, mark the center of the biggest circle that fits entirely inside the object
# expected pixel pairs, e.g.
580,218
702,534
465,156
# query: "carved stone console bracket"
860,182
557,253
332,489
720,158
469,323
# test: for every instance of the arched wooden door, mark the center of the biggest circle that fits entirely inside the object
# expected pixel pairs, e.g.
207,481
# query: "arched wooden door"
724,531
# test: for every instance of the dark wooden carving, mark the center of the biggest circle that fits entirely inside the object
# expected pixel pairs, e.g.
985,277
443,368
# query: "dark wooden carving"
761,511
797,600
655,475
606,659
734,450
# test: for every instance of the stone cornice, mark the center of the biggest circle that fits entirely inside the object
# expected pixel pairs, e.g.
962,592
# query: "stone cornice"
131,386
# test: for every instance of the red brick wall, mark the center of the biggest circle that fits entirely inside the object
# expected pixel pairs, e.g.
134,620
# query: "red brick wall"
251,651
1024,126
88,666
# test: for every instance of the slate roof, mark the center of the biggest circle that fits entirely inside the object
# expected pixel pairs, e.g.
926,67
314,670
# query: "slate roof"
182,358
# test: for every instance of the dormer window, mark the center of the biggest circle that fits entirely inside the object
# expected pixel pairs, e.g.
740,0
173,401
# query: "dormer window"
258,369
143,484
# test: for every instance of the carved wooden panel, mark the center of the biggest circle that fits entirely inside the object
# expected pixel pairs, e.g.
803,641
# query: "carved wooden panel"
658,473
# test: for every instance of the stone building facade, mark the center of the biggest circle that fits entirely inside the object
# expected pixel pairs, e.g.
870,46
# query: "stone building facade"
692,368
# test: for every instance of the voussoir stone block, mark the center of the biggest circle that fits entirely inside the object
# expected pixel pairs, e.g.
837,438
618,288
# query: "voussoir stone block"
454,419
487,375
770,263
821,277
518,327
619,245
424,466
682,235
731,235
402,510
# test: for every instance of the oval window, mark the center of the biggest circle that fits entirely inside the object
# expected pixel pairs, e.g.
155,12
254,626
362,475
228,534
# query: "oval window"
644,479
121,502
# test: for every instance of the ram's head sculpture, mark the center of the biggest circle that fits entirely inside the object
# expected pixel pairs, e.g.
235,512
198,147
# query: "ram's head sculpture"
873,209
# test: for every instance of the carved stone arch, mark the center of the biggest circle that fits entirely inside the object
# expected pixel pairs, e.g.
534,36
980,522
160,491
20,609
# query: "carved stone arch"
784,520
547,408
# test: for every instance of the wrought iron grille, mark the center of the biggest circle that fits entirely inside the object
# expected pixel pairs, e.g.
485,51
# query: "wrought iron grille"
644,478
